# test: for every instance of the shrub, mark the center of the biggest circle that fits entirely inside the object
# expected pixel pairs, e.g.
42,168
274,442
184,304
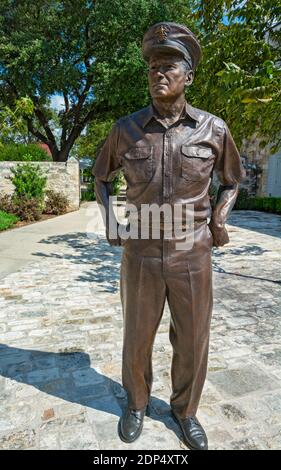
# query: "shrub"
29,181
22,152
267,204
256,203
27,208
7,220
7,204
242,201
88,195
278,205
117,183
56,203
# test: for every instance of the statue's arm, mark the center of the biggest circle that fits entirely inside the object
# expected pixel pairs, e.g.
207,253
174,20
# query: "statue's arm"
225,201
106,167
104,190
230,172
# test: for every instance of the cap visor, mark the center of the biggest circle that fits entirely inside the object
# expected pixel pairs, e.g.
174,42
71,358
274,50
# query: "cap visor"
163,49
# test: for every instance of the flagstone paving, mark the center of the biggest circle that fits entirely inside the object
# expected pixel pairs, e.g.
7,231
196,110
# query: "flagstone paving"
61,343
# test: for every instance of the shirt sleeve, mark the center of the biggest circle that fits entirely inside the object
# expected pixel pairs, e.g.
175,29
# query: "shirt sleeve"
107,163
228,167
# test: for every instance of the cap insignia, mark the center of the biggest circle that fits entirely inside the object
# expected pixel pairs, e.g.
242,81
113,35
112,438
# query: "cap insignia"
161,33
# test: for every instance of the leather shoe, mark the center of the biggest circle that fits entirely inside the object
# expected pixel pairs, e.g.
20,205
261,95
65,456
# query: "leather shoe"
130,424
194,435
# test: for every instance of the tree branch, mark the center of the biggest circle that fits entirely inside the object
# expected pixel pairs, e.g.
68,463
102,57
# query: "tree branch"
35,132
66,102
45,124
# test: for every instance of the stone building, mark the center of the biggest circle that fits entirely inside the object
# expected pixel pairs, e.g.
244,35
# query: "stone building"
263,169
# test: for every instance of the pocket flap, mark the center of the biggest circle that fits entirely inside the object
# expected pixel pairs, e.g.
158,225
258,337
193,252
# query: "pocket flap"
194,151
138,153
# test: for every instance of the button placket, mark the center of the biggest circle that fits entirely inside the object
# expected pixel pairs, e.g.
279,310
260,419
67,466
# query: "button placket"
167,188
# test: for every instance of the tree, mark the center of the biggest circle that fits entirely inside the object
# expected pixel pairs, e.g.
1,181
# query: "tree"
85,50
46,48
13,121
239,78
89,52
120,72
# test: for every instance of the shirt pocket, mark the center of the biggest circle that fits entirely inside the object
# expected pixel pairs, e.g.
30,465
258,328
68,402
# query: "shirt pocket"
137,164
196,162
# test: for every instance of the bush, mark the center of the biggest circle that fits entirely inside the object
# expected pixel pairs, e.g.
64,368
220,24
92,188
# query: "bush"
242,201
22,152
269,204
7,204
256,203
56,203
29,181
278,205
88,195
7,220
117,183
27,202
266,204
27,208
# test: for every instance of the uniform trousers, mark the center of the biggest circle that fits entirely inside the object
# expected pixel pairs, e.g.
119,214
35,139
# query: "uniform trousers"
151,272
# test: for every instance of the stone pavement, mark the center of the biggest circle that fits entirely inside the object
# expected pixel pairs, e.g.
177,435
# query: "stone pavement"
61,341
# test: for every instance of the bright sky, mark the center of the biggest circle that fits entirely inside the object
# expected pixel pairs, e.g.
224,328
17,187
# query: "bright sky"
57,102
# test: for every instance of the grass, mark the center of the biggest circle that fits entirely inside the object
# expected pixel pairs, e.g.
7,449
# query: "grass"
7,220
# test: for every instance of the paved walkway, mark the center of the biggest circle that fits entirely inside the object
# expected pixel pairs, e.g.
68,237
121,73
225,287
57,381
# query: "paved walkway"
61,341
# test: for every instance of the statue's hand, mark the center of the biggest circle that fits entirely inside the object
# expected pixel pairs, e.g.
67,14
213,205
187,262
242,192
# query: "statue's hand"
116,241
119,241
220,235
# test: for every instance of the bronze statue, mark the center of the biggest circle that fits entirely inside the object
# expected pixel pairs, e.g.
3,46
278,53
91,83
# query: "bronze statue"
168,152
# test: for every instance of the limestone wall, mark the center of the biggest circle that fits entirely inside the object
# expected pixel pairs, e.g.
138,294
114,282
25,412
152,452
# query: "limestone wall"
62,177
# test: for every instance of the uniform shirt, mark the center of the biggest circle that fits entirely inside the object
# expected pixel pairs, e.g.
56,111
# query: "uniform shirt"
170,165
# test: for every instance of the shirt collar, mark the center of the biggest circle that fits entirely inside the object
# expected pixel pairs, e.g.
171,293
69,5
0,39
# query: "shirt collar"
150,112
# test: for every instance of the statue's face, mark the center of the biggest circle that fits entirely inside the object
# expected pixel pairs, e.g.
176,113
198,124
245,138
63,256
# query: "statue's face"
167,76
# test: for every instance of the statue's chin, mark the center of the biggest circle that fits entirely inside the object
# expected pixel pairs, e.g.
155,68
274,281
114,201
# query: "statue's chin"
160,93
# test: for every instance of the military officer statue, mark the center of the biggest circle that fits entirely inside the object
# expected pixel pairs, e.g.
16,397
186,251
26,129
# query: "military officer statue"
168,152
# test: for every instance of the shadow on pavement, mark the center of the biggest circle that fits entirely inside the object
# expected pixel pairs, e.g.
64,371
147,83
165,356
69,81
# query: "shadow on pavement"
70,376
257,221
104,258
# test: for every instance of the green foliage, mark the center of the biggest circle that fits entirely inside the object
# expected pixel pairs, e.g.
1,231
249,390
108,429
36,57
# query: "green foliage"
7,220
13,119
88,195
56,203
266,204
29,181
278,205
242,201
89,53
22,152
87,145
117,183
120,72
25,208
241,64
46,48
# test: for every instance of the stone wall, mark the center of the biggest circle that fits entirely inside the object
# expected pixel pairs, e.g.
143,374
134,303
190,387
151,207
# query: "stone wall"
256,160
62,177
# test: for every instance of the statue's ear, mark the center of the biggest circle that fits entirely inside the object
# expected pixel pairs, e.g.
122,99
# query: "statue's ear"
189,78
